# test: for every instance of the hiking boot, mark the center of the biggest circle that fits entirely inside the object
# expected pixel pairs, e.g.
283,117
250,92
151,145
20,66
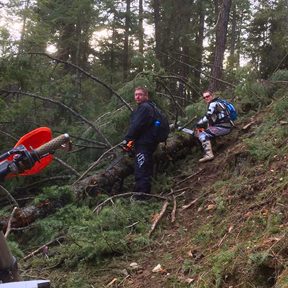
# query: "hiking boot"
208,152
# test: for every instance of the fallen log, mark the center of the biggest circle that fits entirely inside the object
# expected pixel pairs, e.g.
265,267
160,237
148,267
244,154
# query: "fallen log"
176,147
23,217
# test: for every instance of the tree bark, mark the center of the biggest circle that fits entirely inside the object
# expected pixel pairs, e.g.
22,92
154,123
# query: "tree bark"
126,42
27,215
199,43
221,35
141,33
157,25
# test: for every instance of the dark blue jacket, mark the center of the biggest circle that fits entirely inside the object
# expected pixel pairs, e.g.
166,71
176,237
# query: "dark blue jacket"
141,125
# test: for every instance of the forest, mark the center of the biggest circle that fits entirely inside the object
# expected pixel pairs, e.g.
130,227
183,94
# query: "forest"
72,66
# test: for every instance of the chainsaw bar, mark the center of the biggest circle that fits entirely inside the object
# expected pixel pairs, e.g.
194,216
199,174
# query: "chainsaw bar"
186,130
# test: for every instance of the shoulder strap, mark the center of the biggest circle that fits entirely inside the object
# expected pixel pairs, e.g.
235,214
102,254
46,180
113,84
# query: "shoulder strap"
154,106
223,103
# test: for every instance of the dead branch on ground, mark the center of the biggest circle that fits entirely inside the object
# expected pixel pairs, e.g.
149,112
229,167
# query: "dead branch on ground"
9,222
155,223
40,249
247,126
110,199
194,201
190,176
173,214
190,204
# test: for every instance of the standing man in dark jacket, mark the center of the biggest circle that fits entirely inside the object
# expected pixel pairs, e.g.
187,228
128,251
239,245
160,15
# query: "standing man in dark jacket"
141,132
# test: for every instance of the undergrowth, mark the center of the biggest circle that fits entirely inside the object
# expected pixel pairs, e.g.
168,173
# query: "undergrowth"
271,136
89,237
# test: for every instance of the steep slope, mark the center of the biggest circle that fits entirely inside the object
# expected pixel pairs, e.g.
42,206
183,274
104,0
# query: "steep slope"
235,233
231,220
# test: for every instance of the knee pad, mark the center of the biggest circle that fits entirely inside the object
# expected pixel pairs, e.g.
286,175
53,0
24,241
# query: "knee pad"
203,137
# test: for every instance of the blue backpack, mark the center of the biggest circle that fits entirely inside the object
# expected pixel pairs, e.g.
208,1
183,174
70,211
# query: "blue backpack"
161,124
230,109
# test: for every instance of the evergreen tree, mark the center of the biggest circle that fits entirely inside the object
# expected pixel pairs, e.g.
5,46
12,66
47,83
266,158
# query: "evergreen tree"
268,37
220,46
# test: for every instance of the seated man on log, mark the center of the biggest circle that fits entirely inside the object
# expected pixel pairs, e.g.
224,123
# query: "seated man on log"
216,122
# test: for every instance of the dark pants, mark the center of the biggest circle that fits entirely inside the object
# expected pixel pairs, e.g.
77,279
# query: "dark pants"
143,167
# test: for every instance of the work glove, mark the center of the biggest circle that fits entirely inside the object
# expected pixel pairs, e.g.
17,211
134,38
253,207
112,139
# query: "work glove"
127,146
197,131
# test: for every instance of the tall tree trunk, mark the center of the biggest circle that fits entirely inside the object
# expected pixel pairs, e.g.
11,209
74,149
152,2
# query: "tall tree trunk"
233,60
199,42
141,33
126,41
183,44
22,35
221,36
157,26
112,55
233,32
64,50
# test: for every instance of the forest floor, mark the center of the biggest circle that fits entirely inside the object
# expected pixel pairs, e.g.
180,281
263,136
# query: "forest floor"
233,234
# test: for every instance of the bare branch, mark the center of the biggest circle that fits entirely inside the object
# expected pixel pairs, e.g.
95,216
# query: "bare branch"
172,96
191,176
103,145
40,249
192,67
173,214
85,73
66,165
155,223
188,123
190,204
173,100
184,207
9,222
86,147
175,96
55,178
110,199
63,106
181,79
9,135
96,162
12,199
78,150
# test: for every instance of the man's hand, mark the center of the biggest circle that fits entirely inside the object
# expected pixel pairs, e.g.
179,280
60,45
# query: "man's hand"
197,131
127,146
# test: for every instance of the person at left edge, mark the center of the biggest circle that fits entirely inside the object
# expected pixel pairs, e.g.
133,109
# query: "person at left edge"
142,133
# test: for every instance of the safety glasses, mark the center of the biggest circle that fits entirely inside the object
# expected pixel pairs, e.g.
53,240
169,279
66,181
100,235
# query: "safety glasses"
206,96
